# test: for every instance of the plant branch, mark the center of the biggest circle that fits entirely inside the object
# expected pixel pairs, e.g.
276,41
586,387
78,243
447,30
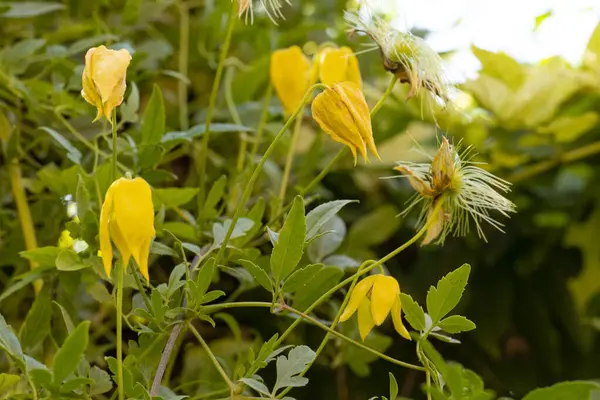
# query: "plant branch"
212,356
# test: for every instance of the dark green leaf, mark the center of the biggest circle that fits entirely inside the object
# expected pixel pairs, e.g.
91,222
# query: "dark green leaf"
68,356
393,387
299,280
288,250
173,197
66,317
575,390
375,227
37,322
443,298
72,153
153,124
324,279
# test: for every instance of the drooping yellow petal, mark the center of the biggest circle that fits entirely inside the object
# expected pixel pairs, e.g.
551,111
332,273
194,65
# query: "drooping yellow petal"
422,187
105,243
290,72
338,65
342,112
120,241
358,295
436,226
365,320
397,319
384,293
141,258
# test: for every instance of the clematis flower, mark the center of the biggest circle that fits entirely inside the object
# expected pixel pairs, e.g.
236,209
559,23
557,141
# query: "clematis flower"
127,217
408,57
271,7
375,298
103,79
466,192
343,113
338,65
290,72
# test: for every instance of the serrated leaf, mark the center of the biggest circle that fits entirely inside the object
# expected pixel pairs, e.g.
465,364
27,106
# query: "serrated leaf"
289,367
574,390
456,324
317,217
258,273
443,298
413,312
300,278
68,356
289,248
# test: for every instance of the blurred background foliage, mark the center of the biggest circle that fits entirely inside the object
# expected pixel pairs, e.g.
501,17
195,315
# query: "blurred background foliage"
534,293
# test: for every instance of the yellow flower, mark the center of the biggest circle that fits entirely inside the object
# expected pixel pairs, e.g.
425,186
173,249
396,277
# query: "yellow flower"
338,65
374,298
290,75
103,79
343,113
127,216
65,241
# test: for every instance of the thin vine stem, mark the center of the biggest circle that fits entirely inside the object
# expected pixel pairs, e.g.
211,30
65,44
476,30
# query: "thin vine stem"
264,116
213,100
211,356
121,388
289,159
115,171
249,187
184,40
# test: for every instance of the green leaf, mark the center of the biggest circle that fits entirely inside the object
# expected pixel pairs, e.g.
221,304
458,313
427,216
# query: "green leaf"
443,298
375,227
9,341
288,250
413,312
593,46
456,324
258,273
68,356
45,256
214,196
29,9
37,322
102,382
131,12
7,381
324,279
500,66
153,124
68,260
393,387
574,390
204,278
317,217
256,385
242,226
66,317
299,280
72,153
570,127
289,367
129,109
82,198
541,18
173,197
171,139
84,44
327,240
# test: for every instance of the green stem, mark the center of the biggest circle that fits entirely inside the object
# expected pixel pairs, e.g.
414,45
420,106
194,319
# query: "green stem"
141,289
363,270
289,159
184,39
240,304
428,383
249,187
212,101
115,171
383,98
121,388
212,356
262,123
211,394
347,339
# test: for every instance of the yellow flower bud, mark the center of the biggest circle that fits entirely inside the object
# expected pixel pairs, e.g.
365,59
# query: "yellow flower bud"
338,65
65,241
103,79
290,75
374,298
343,113
127,217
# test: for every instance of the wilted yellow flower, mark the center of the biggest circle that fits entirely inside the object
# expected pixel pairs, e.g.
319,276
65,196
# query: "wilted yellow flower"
127,217
465,191
103,79
374,298
65,241
338,65
342,111
290,75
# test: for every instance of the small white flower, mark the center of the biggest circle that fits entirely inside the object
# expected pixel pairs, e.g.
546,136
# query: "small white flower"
80,246
71,209
271,7
466,191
